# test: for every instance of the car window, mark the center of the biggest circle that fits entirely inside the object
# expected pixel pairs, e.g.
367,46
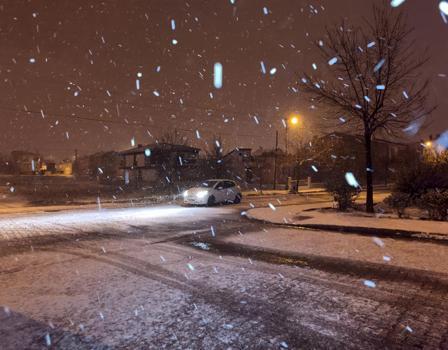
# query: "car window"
229,184
220,185
208,183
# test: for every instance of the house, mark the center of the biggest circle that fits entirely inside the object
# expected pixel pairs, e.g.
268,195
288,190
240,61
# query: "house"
64,167
163,163
271,166
386,154
26,163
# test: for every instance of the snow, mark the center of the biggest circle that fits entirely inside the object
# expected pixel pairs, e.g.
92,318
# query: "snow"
291,213
100,220
348,247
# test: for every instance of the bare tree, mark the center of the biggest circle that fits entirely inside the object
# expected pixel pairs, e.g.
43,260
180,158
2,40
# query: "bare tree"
374,83
174,138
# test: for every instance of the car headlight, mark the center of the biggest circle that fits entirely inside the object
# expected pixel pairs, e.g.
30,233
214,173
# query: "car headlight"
185,193
201,194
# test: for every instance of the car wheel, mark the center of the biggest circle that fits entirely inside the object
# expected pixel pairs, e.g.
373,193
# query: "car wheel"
211,201
237,199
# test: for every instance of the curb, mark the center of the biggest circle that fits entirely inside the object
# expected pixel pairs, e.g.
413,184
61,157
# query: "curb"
364,231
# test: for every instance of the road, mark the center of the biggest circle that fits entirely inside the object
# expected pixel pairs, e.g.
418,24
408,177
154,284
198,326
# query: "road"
169,277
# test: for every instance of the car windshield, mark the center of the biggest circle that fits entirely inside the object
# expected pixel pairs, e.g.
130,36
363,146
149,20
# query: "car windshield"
208,183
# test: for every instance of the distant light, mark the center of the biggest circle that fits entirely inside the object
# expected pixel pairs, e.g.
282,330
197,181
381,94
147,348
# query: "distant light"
265,10
147,152
173,24
32,60
428,144
273,71
174,42
139,74
217,75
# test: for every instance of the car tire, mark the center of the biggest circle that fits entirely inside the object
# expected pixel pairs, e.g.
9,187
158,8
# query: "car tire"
211,201
237,199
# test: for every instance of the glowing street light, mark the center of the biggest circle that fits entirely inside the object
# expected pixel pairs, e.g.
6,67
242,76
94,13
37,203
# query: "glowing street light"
294,120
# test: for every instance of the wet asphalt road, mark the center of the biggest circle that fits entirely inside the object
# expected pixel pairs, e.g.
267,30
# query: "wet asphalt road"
177,282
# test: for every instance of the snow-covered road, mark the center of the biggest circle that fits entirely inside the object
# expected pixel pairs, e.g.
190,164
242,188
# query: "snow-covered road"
101,220
207,278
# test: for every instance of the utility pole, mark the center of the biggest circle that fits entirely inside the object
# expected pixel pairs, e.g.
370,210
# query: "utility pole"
275,159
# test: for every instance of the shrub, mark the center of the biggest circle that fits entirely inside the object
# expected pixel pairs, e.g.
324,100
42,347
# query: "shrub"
425,185
343,193
398,201
436,203
424,177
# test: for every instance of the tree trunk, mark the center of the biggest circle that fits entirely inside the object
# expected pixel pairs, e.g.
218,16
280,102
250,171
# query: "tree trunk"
369,172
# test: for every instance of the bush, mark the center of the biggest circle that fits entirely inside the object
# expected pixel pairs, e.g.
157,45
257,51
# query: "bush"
343,193
398,201
436,203
424,177
424,185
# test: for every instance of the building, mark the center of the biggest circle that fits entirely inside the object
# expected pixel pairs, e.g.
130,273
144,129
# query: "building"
387,155
26,163
271,166
162,163
64,167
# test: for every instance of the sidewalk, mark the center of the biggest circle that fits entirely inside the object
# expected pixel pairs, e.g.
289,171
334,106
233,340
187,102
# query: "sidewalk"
308,216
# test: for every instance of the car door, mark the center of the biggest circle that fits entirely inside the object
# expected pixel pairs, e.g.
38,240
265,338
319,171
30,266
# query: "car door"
230,191
220,192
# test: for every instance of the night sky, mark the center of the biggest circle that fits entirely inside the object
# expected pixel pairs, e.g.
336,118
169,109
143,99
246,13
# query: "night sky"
73,63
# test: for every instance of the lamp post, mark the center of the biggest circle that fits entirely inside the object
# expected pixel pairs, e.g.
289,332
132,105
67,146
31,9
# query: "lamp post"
292,121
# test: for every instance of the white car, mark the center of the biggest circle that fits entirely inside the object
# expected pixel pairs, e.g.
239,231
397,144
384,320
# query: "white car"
212,192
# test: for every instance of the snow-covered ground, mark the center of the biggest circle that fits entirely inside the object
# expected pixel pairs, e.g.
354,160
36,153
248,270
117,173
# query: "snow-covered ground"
385,251
137,289
99,220
301,215
133,294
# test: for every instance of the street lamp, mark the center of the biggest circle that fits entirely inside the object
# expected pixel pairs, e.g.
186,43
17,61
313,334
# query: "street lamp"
293,120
